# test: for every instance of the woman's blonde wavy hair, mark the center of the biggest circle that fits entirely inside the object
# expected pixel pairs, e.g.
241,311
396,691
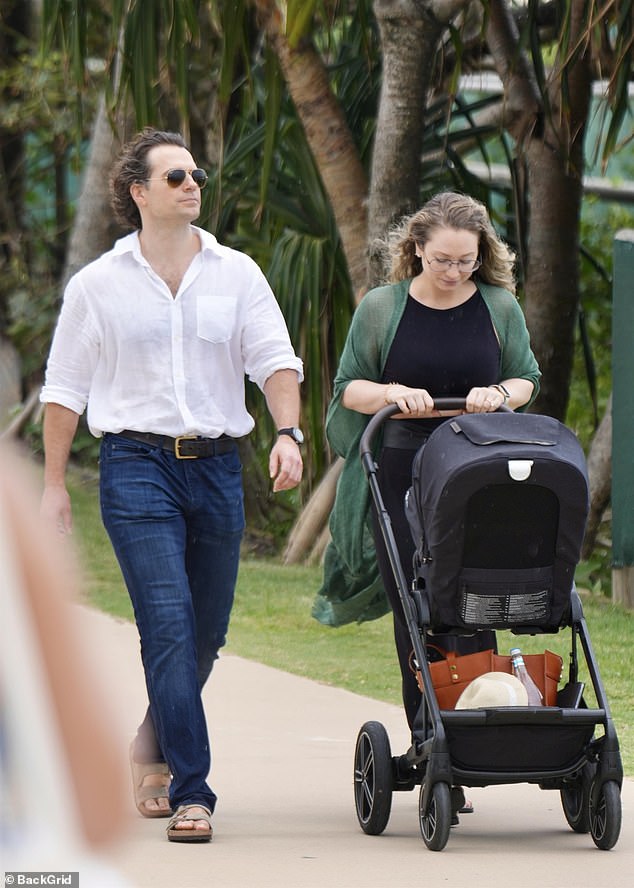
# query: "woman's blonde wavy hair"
449,209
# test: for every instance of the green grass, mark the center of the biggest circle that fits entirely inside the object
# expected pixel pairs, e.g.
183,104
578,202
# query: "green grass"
271,623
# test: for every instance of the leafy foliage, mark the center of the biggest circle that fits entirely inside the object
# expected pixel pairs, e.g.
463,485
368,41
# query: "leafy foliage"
36,113
204,67
293,237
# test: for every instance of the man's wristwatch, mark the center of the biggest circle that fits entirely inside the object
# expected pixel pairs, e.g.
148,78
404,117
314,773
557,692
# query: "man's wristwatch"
296,434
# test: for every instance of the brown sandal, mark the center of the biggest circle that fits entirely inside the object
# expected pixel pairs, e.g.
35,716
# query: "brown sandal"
193,834
142,794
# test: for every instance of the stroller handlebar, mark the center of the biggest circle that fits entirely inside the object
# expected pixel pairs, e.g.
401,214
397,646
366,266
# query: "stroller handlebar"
372,428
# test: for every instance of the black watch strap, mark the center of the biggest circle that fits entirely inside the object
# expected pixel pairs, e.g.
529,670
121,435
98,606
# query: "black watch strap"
294,433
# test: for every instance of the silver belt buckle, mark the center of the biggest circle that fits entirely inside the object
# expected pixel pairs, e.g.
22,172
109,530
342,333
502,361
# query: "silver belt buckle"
177,446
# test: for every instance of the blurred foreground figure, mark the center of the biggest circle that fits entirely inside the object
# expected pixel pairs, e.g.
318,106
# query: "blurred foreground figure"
61,776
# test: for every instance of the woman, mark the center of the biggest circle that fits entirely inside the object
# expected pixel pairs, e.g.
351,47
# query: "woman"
448,324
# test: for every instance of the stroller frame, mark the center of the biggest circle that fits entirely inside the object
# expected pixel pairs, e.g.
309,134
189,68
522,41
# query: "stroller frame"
585,768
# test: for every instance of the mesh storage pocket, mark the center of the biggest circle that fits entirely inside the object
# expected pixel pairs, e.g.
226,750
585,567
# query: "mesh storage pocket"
500,599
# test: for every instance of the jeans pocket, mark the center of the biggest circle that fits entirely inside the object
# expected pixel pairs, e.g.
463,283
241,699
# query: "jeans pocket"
231,462
116,448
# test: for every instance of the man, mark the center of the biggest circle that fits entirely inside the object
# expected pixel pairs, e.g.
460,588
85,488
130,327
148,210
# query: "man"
155,338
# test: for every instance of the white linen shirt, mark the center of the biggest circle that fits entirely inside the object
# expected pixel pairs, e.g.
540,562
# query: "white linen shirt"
142,359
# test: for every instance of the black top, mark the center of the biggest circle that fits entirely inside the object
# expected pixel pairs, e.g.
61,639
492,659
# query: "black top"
446,351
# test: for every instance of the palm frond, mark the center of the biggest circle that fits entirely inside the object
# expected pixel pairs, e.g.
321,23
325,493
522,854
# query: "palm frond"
299,18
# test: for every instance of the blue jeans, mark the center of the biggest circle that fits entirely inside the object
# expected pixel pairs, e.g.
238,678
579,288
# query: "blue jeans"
176,526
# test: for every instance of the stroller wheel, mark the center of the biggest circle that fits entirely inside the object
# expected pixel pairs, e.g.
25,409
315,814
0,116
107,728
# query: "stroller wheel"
575,799
436,823
373,778
605,816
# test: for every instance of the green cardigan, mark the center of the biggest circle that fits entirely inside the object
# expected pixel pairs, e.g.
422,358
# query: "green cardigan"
352,588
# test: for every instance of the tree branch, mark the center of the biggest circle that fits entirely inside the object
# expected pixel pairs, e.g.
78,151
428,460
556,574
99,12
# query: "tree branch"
600,477
522,104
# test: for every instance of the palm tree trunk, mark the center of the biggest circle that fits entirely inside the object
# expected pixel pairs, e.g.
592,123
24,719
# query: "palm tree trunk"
94,228
329,137
409,41
555,176
552,271
600,476
314,517
550,147
10,387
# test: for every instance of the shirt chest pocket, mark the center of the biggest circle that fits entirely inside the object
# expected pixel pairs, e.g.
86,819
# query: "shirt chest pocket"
216,318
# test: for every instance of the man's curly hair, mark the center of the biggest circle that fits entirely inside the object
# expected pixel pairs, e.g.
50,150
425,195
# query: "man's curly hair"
131,167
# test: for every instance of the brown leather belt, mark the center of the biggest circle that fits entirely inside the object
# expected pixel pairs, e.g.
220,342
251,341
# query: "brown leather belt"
184,446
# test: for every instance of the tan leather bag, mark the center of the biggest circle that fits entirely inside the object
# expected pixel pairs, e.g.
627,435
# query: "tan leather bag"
451,675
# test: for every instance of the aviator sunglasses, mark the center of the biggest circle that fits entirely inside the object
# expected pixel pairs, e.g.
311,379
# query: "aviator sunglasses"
176,177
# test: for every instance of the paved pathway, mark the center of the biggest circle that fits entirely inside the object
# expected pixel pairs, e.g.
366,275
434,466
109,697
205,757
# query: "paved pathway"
283,751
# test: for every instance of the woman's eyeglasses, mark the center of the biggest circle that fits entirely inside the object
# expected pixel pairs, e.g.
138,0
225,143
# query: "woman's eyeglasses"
464,266
176,177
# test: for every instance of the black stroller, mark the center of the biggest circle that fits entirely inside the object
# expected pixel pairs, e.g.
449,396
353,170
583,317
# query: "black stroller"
497,507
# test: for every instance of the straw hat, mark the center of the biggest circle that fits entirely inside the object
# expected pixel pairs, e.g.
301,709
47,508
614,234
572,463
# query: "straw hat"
491,690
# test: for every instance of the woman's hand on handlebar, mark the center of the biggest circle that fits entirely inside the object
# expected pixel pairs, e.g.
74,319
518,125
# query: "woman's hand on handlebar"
417,403
366,396
484,400
412,402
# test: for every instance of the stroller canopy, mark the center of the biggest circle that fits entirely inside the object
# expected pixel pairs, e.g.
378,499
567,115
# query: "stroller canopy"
497,509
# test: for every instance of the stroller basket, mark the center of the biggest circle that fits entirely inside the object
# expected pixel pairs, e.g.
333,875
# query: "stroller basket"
502,742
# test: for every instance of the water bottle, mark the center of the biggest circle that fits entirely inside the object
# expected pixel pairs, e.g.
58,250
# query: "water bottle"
520,671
